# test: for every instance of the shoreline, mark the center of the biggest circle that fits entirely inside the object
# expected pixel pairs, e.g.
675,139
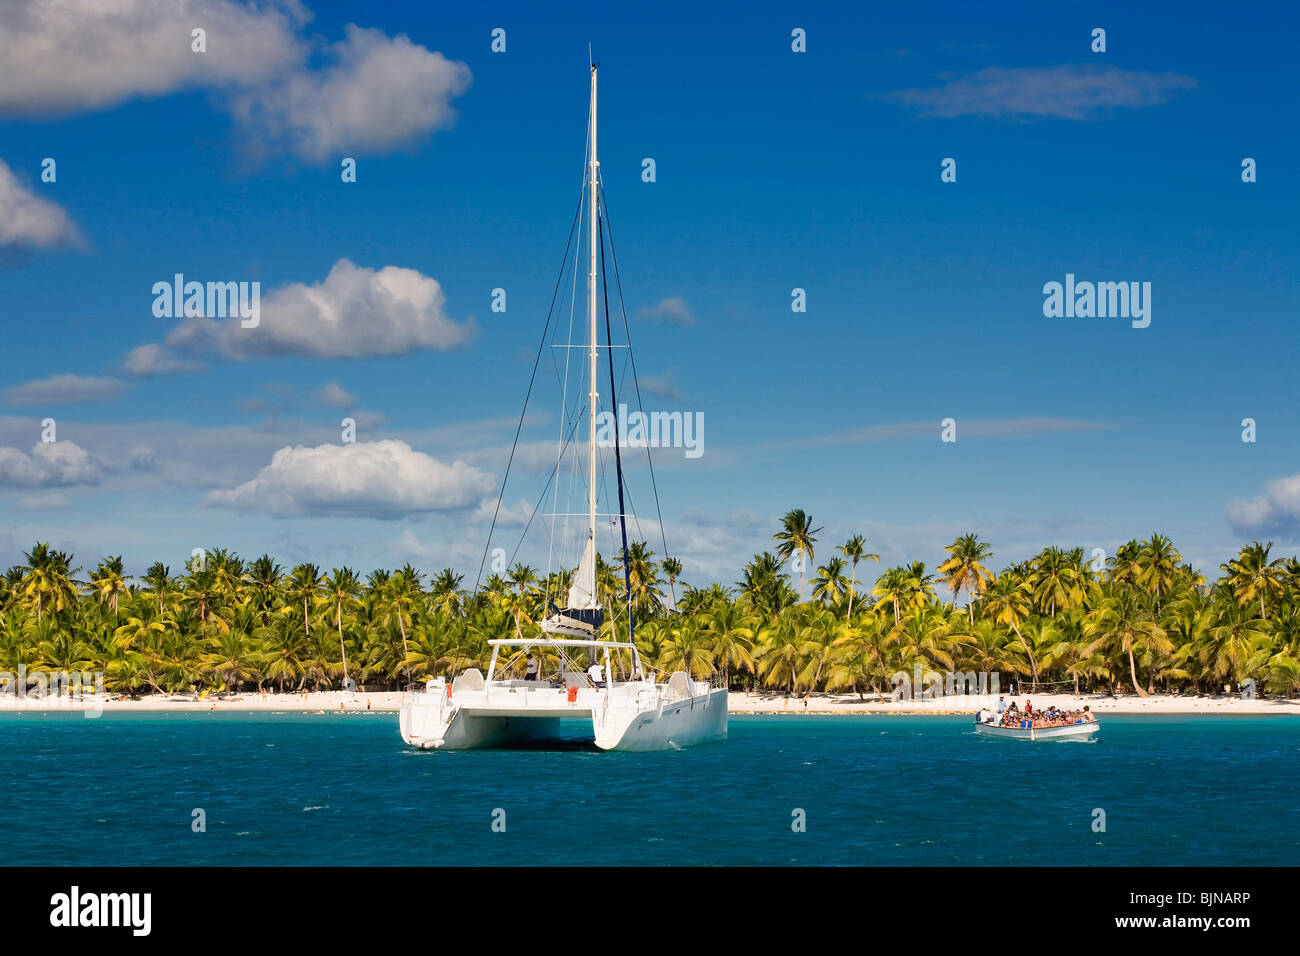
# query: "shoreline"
738,703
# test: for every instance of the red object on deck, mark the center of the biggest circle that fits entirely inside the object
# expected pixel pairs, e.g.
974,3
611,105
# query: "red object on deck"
573,695
449,692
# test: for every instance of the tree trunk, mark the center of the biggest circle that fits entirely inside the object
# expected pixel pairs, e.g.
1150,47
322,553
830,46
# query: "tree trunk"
1132,668
342,650
1033,664
405,653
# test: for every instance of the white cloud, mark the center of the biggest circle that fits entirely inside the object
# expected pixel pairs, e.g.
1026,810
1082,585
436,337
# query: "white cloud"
509,516
384,479
148,361
373,93
62,390
28,220
1276,511
356,312
50,464
672,310
73,55
380,93
1060,92
336,396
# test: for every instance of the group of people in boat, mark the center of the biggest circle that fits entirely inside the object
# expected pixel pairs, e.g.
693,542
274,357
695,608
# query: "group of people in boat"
1009,715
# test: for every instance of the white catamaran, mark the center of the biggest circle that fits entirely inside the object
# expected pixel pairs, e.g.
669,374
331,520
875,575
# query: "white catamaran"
567,670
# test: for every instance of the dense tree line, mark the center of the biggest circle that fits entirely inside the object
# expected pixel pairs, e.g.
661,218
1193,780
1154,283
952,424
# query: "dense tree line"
1143,621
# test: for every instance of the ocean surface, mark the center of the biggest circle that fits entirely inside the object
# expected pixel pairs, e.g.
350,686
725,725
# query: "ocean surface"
292,789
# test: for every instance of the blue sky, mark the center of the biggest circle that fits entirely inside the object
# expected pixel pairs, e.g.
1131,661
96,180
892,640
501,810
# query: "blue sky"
775,170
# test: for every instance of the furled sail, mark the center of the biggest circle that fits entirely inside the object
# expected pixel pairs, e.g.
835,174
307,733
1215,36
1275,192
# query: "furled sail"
581,616
582,592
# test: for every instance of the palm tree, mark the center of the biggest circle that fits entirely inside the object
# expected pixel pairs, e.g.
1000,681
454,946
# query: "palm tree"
964,570
1006,601
863,646
108,581
918,584
445,592
1055,580
159,580
672,569
797,534
231,658
303,588
892,587
732,633
1124,567
764,584
47,580
1252,576
264,576
643,578
1122,623
1158,567
399,603
687,649
830,585
344,589
855,549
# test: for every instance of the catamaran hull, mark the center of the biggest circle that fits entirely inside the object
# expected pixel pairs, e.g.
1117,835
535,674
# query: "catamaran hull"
426,722
1066,732
681,724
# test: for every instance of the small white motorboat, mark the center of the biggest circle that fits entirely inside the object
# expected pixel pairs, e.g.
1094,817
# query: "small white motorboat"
1082,730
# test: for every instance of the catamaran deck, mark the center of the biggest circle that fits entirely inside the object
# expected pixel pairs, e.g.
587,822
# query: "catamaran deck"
473,712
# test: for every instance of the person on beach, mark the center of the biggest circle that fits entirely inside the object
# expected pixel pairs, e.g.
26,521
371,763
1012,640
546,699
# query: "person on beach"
1002,706
530,672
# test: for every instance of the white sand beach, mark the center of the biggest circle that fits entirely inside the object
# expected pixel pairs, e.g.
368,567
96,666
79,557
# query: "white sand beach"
740,703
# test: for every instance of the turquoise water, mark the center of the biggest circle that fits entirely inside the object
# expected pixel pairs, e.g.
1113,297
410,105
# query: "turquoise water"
304,789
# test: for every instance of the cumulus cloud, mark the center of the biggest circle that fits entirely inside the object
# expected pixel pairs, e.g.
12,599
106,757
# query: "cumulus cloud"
384,479
672,310
49,464
152,360
367,93
356,312
76,55
1059,92
336,396
378,93
26,219
1275,511
62,390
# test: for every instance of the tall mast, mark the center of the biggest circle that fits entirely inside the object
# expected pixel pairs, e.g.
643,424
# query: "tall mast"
591,311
